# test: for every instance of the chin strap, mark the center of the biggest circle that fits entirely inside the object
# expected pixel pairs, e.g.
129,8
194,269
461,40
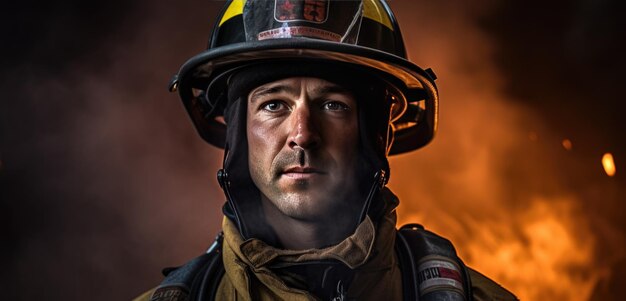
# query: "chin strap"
222,179
380,181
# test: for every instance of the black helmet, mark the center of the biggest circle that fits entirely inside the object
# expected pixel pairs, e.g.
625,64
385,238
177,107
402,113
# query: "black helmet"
361,33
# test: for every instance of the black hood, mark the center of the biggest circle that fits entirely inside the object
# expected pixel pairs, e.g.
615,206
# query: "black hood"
243,198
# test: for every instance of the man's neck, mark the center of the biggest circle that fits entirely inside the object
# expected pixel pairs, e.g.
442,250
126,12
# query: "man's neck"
297,234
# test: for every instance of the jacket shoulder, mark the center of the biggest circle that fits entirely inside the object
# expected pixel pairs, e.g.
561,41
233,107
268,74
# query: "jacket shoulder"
485,289
199,277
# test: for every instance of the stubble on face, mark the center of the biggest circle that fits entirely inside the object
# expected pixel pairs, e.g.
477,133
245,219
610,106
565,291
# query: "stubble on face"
308,199
328,191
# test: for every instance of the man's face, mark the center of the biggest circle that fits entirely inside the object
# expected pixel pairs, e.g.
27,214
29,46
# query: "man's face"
303,147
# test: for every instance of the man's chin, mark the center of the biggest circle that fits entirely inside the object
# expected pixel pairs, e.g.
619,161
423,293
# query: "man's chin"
304,206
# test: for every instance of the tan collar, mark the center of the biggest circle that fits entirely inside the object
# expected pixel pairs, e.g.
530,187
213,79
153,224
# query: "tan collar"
352,251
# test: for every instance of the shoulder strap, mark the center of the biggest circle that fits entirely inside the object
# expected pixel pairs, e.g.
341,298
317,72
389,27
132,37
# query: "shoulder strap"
196,280
431,269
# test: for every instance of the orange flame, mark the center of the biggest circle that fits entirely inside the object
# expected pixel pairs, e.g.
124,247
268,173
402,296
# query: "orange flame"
567,144
608,164
540,253
545,259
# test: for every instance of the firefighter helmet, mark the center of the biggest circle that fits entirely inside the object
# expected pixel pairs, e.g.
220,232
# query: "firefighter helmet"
361,33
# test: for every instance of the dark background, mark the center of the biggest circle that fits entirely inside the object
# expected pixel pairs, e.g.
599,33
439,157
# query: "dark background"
103,180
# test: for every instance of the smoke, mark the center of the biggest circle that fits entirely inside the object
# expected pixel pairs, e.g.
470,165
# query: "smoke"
104,180
497,180
105,176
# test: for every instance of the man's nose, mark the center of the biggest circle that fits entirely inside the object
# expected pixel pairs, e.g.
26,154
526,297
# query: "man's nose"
304,129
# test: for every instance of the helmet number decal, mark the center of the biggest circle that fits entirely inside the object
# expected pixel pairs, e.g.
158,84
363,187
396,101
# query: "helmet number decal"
314,11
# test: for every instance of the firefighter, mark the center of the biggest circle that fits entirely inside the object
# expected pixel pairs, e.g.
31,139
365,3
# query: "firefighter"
308,98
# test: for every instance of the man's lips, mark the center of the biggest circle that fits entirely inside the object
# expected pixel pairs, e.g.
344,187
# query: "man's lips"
301,172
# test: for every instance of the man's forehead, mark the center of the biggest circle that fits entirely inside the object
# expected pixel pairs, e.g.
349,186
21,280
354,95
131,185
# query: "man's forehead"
294,85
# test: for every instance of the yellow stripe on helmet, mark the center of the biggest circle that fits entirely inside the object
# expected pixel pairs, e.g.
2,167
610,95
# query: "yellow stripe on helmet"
234,9
373,9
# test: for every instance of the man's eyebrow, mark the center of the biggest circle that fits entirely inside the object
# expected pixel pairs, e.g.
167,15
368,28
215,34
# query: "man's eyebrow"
263,91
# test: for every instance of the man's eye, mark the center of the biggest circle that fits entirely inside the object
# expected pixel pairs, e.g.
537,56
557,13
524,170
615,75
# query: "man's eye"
335,106
273,106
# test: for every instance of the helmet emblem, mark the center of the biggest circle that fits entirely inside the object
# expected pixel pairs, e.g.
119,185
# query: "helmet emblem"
315,11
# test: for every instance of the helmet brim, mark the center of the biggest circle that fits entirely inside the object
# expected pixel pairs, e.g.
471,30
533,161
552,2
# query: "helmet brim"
413,82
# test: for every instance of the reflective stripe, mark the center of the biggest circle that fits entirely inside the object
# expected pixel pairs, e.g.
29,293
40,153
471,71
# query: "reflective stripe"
373,9
234,9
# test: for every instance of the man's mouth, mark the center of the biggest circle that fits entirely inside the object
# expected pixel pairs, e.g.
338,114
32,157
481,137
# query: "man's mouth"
302,172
